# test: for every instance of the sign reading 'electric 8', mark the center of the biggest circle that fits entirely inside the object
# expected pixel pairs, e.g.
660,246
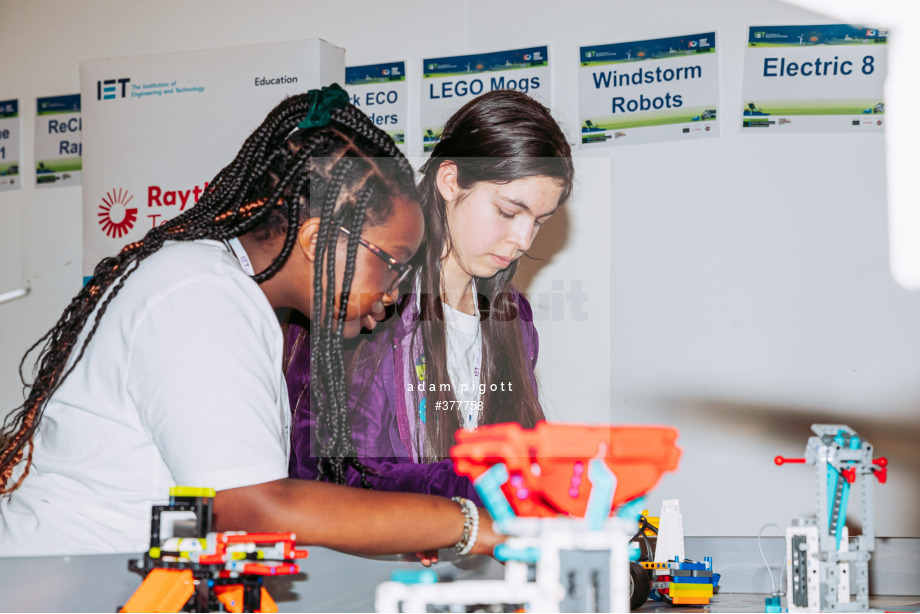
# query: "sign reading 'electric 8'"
820,78
145,161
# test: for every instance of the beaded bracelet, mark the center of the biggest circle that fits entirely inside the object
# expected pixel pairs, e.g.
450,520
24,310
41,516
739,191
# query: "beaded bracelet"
470,526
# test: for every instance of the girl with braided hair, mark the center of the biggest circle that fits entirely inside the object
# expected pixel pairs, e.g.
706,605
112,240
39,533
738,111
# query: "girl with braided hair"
166,368
463,351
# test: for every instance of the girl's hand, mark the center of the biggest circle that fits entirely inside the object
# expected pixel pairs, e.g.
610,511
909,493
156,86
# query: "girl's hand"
427,557
487,538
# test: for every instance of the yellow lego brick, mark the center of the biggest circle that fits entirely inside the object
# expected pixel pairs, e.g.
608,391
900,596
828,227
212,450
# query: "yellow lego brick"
190,491
694,590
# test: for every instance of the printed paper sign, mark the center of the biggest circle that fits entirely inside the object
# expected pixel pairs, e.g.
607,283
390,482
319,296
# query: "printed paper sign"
9,145
58,141
160,127
451,82
825,78
646,91
380,91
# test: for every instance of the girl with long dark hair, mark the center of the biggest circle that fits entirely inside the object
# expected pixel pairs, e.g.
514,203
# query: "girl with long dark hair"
463,351
166,368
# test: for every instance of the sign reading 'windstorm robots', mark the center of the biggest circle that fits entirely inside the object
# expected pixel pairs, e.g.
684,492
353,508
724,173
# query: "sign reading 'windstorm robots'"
825,78
646,91
158,128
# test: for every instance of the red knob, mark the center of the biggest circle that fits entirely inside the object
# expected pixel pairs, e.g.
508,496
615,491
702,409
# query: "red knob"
882,473
779,460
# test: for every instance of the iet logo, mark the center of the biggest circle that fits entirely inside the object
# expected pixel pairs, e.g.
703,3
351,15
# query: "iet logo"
107,90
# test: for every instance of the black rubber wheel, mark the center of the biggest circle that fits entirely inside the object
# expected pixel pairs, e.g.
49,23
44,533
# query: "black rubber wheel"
640,585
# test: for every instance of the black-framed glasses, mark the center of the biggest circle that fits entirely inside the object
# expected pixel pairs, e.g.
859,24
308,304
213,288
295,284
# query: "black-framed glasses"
402,269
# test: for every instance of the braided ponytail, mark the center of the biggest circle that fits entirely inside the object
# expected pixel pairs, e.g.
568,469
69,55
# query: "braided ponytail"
271,186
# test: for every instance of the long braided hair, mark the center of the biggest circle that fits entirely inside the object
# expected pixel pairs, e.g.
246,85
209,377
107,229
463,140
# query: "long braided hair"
345,172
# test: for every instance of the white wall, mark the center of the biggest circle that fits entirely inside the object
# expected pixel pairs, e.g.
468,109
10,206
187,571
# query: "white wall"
737,287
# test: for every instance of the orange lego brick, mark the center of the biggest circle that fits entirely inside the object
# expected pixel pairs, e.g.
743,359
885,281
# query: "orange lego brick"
231,596
163,590
690,600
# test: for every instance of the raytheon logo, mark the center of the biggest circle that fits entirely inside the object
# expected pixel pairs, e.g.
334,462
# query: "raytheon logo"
109,89
115,217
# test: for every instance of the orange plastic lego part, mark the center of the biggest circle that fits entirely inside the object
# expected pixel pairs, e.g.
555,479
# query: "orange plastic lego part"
260,569
548,465
690,600
163,590
232,598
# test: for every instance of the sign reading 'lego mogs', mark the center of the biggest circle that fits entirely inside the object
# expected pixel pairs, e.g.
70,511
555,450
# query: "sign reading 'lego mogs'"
824,78
646,91
58,141
9,144
380,91
451,82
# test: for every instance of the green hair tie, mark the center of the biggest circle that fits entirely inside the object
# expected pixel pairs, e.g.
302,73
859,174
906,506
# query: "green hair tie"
321,105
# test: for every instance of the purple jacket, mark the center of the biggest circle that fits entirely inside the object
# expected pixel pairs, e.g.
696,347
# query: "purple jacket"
383,419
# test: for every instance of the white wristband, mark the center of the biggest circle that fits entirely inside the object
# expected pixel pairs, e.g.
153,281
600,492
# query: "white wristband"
470,526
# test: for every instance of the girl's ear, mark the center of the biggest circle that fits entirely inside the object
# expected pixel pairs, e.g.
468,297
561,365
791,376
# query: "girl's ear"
306,237
446,180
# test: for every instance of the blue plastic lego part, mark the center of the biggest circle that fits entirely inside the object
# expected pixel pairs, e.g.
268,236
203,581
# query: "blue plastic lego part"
715,579
415,576
836,480
691,580
773,604
708,561
503,552
603,486
631,510
692,566
489,487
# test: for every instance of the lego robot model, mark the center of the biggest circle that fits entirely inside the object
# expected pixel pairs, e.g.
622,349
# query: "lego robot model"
670,578
190,568
567,498
822,563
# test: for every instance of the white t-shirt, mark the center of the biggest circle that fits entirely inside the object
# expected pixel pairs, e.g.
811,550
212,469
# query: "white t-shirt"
464,360
181,385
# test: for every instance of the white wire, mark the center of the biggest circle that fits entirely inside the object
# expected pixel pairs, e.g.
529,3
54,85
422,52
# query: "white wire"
764,557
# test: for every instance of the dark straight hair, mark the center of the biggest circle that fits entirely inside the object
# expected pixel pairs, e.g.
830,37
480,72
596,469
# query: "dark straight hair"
345,172
499,137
